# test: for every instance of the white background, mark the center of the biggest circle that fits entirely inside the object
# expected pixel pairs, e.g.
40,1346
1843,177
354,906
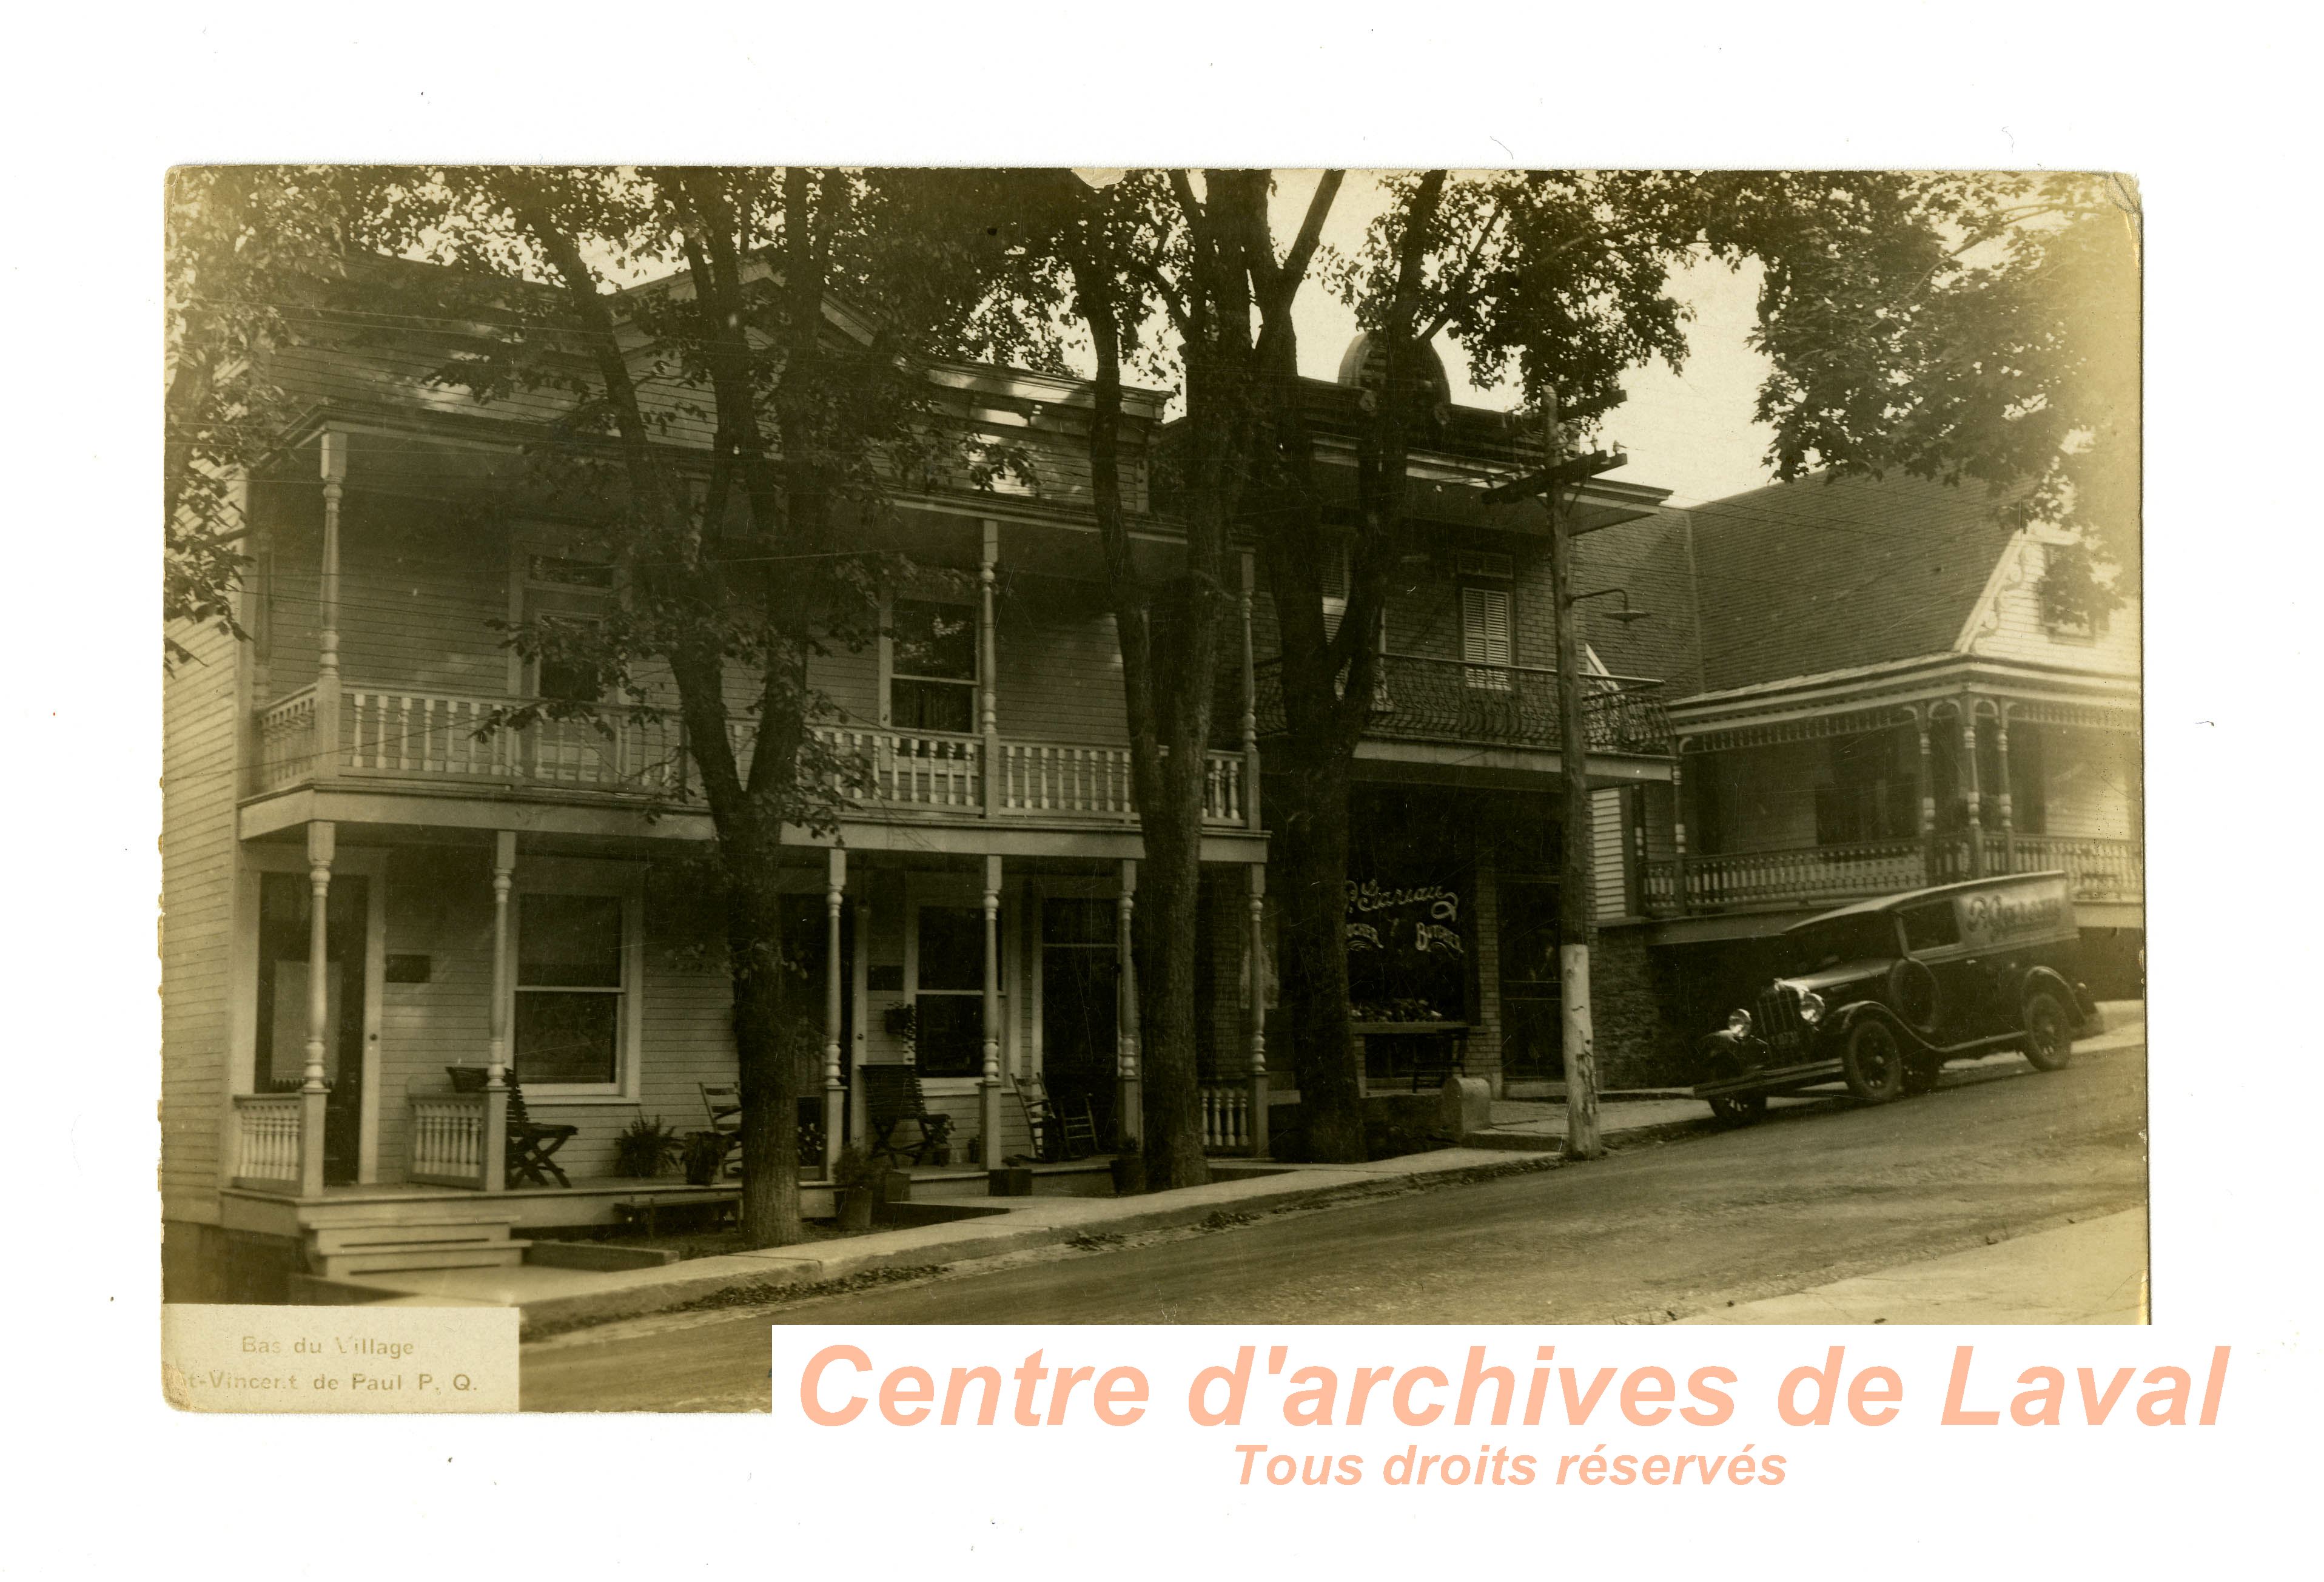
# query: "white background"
2205,108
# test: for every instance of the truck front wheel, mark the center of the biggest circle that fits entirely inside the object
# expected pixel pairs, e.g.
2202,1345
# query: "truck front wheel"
1738,1109
1873,1062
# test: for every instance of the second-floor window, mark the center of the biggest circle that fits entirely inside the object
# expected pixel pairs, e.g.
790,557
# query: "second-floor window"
932,671
1485,645
567,599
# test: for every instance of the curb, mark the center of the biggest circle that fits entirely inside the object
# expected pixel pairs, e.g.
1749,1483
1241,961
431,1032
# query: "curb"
788,1270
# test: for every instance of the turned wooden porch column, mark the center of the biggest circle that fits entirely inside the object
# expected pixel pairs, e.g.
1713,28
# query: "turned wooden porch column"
989,1092
988,664
314,1094
835,1089
2001,774
1678,826
327,660
1250,697
1255,1013
1967,777
496,1086
1926,787
1129,1096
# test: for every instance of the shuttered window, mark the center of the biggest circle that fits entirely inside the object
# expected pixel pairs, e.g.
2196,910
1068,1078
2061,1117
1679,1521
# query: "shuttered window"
1485,637
1335,590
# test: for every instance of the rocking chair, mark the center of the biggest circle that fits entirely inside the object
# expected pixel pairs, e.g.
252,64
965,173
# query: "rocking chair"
1058,1134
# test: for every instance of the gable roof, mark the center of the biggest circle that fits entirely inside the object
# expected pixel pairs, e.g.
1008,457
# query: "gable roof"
1820,574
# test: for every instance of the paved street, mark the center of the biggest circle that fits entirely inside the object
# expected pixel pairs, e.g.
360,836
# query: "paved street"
1816,1195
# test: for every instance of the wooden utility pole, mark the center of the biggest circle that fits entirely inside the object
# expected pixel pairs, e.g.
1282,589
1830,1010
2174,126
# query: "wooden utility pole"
1576,865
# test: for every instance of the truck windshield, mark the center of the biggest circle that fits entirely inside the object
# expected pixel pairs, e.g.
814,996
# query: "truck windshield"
1866,936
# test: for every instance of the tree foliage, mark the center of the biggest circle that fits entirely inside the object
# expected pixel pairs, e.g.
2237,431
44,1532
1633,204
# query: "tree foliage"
248,252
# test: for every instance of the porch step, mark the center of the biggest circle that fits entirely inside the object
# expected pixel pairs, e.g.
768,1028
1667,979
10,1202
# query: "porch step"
418,1256
336,1251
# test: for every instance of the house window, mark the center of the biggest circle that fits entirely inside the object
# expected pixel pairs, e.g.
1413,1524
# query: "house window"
1485,637
932,670
949,1001
566,599
570,989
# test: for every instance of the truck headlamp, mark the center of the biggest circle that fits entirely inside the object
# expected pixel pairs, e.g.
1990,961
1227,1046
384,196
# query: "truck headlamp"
1812,1008
1738,1022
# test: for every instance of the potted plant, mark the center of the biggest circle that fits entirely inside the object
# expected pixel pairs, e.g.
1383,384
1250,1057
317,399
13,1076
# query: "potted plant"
1128,1167
858,1181
901,1022
705,1154
645,1148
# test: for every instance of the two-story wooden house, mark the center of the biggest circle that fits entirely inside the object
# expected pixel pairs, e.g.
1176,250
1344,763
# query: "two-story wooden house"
1886,699
371,894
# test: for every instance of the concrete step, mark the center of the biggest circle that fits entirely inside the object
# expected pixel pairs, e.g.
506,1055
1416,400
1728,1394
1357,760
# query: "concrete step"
419,1255
387,1237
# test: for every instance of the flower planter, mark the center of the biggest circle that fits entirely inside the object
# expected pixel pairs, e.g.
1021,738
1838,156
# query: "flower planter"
855,1205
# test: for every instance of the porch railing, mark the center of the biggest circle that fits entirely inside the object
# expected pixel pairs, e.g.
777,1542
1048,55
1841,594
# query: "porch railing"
447,1140
904,769
1226,1119
444,736
1425,700
439,735
2097,869
267,1141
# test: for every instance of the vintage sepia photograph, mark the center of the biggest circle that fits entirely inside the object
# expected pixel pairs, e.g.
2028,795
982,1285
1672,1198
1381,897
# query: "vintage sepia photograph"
877,746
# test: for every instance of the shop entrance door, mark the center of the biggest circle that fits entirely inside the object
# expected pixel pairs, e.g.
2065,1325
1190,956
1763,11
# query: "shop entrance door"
1533,1001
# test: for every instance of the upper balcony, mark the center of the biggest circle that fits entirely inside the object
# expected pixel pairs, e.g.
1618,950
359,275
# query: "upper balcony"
1451,702
446,741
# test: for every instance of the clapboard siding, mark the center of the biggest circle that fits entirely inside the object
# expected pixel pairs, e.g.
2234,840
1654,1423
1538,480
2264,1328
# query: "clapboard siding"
2010,624
2089,784
199,719
1060,664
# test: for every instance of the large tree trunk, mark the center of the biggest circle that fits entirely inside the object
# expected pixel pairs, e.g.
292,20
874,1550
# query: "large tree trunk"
763,1050
1309,860
1168,928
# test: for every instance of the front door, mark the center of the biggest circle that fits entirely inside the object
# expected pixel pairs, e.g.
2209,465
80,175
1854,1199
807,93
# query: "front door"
1080,987
1533,1003
284,907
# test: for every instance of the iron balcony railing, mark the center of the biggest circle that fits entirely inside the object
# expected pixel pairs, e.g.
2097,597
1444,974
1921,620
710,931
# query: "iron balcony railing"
1421,699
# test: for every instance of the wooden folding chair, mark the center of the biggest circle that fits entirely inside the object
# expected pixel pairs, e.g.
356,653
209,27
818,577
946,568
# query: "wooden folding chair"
530,1145
892,1100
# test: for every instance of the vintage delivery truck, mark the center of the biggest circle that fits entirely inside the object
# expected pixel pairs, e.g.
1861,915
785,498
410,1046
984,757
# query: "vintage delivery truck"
1881,994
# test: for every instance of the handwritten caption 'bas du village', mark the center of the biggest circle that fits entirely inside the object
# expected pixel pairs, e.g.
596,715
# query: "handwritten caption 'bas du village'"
841,1385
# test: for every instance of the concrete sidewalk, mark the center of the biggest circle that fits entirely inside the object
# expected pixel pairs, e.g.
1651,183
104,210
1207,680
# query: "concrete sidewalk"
557,1299
1525,1136
2089,1274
